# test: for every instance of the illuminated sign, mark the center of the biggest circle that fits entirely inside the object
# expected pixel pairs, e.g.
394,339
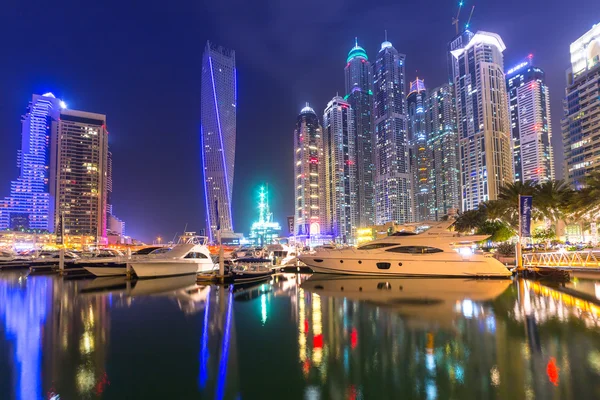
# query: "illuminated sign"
518,67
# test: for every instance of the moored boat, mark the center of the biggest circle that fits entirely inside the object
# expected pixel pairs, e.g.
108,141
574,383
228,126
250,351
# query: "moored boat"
190,256
433,252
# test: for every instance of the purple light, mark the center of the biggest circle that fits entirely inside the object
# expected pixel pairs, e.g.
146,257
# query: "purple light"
204,350
204,182
221,139
224,352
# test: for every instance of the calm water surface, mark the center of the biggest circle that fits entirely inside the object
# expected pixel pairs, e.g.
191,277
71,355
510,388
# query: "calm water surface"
297,337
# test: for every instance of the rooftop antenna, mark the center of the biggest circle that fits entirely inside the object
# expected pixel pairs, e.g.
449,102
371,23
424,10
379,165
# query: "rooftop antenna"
356,41
469,20
386,35
455,20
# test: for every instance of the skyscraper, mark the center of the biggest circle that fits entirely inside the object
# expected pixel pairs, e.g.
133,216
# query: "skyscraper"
482,115
359,93
582,109
218,134
392,177
420,152
309,177
78,175
529,101
340,170
29,204
443,141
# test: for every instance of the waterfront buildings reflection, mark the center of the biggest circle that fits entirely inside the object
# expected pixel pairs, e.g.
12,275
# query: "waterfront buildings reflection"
321,337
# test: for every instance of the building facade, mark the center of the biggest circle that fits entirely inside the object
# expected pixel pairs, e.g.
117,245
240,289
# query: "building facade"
78,175
393,198
359,94
218,136
482,117
340,170
580,124
443,142
420,152
309,177
29,205
529,102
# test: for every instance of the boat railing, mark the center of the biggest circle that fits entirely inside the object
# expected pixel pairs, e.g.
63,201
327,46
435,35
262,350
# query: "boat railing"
585,259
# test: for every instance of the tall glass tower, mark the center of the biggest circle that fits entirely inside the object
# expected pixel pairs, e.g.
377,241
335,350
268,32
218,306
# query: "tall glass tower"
29,205
340,169
421,154
218,130
359,94
482,115
309,178
443,141
582,109
529,101
392,164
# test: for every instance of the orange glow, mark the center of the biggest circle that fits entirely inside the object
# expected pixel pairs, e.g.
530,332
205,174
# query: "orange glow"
552,371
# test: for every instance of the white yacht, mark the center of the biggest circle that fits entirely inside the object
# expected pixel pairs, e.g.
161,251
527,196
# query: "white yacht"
190,256
111,262
433,252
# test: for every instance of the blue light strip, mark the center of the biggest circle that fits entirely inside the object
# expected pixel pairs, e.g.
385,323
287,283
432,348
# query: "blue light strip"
235,84
204,349
208,227
221,138
224,351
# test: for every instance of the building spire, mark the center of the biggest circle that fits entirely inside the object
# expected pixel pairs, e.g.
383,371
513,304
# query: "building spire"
356,41
385,35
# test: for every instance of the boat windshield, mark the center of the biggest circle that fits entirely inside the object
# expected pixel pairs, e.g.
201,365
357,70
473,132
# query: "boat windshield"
374,246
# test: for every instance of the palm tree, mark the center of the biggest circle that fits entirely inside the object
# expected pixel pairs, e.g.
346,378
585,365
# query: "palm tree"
508,200
551,200
586,202
470,220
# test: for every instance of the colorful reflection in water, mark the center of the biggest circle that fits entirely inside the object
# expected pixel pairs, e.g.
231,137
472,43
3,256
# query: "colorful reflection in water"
318,337
23,310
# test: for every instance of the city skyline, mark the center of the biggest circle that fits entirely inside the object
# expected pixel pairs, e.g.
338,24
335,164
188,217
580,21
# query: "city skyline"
262,126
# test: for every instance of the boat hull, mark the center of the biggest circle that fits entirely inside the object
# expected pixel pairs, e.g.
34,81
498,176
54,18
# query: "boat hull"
417,266
107,270
157,268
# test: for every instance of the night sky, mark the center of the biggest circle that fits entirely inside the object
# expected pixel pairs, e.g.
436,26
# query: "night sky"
140,65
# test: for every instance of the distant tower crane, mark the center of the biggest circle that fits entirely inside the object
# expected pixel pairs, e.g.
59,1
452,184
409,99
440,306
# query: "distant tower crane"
470,15
455,20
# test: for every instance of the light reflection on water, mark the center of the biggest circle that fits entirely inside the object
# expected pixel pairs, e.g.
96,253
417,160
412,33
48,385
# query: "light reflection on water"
319,338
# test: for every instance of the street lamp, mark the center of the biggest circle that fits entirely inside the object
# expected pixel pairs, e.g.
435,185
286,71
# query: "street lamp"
158,239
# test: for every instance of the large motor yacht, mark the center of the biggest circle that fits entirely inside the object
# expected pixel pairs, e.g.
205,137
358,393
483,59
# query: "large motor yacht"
114,263
433,252
189,256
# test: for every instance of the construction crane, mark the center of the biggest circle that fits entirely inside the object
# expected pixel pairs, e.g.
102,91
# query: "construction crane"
470,15
455,20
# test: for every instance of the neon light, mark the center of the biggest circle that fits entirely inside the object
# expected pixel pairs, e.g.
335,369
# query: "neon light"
204,349
209,227
224,352
517,67
221,139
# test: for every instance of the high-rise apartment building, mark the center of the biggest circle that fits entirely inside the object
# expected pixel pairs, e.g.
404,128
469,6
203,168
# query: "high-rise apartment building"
581,121
420,152
443,142
78,175
309,177
29,204
529,102
218,135
340,170
482,116
392,177
359,94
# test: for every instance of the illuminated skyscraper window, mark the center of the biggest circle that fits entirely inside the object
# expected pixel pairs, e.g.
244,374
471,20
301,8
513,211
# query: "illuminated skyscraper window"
218,135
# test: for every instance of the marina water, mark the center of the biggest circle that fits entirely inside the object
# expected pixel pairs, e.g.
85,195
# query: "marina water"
298,337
